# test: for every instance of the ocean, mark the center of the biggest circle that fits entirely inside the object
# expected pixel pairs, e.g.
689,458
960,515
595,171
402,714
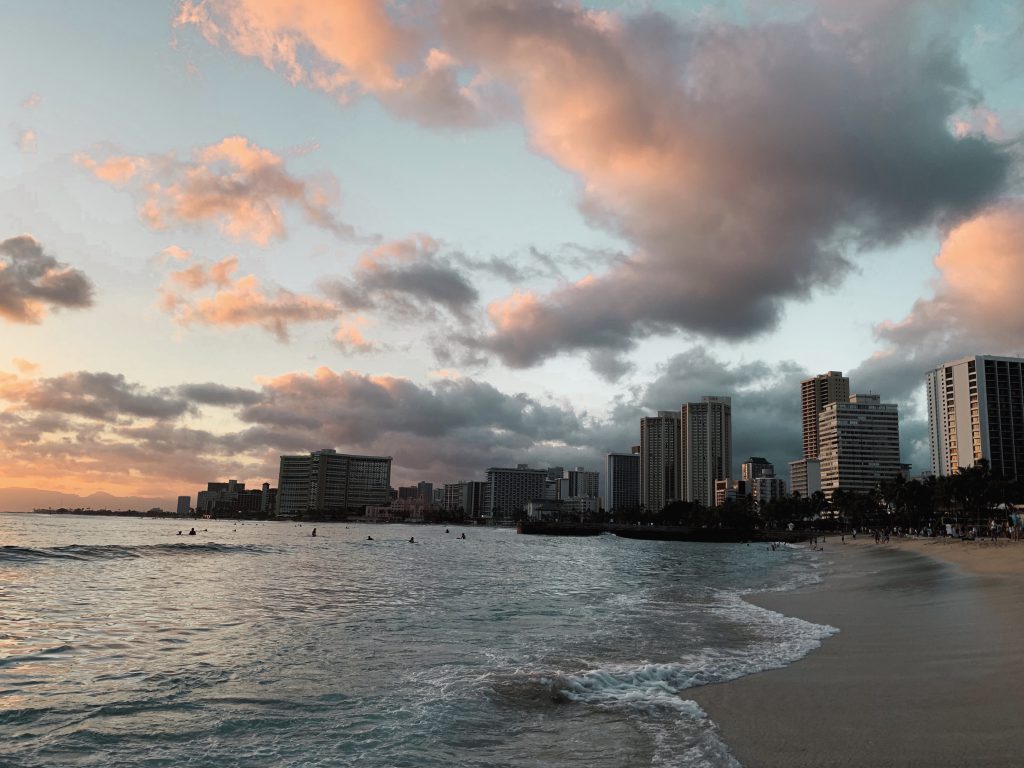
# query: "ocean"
255,644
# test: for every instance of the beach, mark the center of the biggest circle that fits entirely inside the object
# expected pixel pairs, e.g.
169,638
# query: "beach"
924,669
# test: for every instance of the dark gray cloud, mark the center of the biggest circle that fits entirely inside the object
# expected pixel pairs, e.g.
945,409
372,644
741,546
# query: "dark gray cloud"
218,394
31,281
410,277
100,396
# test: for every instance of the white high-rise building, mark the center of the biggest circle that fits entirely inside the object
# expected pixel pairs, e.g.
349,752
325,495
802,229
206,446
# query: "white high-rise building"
622,478
976,411
860,444
765,488
510,489
805,477
659,460
705,448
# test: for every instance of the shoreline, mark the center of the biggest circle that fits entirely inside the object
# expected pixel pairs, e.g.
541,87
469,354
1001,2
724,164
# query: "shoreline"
920,672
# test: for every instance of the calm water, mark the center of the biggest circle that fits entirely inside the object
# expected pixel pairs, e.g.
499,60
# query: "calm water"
122,644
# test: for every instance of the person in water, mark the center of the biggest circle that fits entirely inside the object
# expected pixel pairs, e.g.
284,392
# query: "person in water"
313,533
463,535
412,539
369,538
179,533
192,532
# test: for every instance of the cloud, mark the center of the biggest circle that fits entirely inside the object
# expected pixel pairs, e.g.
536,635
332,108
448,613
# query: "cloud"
346,50
218,394
238,302
32,281
406,276
236,184
25,366
349,336
98,396
27,141
747,165
974,308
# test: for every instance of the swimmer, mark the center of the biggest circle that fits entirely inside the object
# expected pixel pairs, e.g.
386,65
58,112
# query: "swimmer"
447,531
192,532
369,538
179,533
412,539
313,534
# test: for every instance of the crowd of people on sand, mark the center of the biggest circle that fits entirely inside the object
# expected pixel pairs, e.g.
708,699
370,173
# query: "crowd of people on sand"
994,531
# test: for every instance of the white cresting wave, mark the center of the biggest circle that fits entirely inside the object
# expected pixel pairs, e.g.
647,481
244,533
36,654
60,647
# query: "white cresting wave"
653,691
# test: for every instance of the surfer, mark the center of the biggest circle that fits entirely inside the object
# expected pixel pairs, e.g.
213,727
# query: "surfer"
369,538
463,535
192,532
313,534
412,539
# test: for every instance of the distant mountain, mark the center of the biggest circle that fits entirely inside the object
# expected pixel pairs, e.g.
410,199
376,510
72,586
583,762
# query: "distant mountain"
27,499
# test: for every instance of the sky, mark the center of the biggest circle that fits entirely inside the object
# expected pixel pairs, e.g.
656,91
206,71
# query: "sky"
473,233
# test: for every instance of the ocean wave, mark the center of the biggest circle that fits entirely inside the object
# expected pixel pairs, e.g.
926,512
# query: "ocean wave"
122,551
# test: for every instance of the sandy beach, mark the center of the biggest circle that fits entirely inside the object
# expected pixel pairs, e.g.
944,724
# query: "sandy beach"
923,672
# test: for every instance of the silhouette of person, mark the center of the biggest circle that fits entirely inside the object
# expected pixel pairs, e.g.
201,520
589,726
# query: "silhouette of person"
313,533
412,539
192,532
369,538
463,535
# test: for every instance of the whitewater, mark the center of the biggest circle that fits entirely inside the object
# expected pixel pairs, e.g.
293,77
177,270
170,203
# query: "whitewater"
256,644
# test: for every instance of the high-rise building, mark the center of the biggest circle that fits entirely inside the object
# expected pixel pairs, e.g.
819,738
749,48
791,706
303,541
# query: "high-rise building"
659,460
755,467
509,490
622,482
466,496
815,393
805,477
767,488
582,483
332,483
184,505
705,448
425,491
860,444
976,411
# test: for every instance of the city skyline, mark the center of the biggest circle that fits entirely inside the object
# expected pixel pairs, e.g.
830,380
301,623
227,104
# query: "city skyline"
472,236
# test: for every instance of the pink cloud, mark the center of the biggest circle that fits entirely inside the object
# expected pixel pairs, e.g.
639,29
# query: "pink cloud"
976,297
345,49
241,187
238,302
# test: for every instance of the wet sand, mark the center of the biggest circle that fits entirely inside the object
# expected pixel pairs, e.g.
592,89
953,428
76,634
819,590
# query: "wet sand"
924,670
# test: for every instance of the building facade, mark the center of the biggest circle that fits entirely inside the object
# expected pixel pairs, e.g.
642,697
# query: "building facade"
622,482
755,467
976,411
860,444
510,489
805,477
330,483
659,460
815,393
766,489
705,448
581,483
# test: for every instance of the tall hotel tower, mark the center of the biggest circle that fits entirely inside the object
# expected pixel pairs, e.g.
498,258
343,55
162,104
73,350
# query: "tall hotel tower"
976,411
659,460
705,440
860,444
815,394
